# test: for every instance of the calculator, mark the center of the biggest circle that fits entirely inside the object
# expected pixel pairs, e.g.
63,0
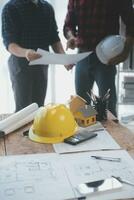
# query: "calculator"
80,137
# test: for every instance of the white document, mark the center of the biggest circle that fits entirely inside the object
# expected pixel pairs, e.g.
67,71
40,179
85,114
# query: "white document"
33,177
82,168
55,58
19,119
102,141
55,177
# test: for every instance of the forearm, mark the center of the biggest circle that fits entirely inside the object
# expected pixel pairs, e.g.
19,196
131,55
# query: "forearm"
17,50
58,48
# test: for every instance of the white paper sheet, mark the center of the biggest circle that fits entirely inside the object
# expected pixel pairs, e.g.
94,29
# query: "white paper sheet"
82,168
19,119
33,177
55,177
61,59
103,141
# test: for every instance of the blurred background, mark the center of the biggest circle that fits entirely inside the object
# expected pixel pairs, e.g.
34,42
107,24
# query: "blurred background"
61,82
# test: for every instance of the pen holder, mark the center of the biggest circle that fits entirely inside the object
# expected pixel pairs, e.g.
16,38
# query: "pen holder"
101,107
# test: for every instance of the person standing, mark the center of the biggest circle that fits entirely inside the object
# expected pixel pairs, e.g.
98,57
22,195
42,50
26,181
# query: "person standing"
26,26
87,23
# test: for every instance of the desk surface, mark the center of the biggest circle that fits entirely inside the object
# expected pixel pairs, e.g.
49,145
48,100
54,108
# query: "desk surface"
16,143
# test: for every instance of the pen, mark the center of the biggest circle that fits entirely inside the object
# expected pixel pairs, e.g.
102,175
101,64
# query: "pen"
107,158
93,100
96,130
106,95
123,181
77,198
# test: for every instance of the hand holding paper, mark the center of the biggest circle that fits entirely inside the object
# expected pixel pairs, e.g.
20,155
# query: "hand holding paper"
55,58
69,67
32,55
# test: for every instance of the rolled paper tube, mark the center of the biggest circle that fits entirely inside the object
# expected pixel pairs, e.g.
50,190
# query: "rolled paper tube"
18,119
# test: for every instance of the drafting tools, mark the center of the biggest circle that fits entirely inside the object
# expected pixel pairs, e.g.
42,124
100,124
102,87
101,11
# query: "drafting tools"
107,158
92,99
100,104
107,95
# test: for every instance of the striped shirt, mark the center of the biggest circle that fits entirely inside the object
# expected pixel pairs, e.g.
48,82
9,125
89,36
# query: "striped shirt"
92,20
29,25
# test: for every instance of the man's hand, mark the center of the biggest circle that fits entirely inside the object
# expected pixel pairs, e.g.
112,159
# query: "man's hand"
58,48
118,59
31,55
69,67
71,43
124,54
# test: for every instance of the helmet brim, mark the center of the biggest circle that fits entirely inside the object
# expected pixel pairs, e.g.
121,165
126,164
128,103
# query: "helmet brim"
50,140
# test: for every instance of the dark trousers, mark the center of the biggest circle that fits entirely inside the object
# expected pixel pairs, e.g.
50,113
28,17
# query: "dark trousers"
29,83
91,69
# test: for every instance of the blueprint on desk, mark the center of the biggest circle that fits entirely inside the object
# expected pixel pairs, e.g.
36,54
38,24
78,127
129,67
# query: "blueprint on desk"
82,168
55,177
33,177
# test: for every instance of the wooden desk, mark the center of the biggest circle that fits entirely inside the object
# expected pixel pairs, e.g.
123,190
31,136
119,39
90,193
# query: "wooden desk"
15,143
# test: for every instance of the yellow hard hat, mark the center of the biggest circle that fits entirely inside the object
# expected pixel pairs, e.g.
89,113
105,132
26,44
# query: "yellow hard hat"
52,124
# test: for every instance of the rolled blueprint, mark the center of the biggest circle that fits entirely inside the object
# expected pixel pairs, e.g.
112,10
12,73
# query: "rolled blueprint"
18,119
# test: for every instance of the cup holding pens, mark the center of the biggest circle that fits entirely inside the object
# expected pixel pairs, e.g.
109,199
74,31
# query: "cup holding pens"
101,106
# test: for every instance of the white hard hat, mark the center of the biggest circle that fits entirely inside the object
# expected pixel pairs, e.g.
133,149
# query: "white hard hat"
110,47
